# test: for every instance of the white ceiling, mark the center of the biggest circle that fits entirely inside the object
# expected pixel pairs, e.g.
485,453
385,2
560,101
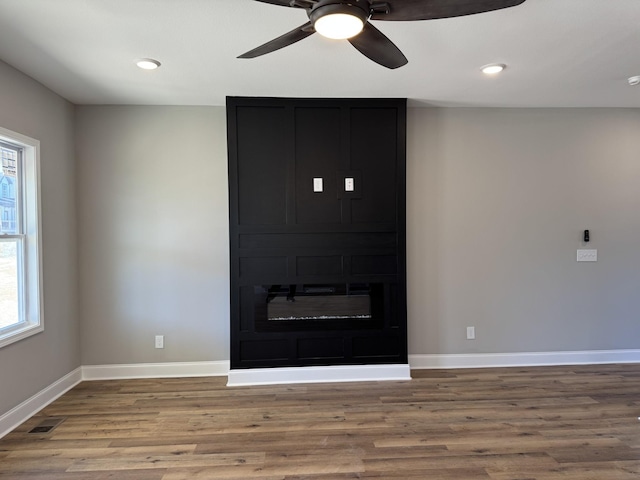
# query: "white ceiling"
560,53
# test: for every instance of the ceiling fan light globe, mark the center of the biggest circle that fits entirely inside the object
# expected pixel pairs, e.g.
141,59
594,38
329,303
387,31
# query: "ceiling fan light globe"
339,26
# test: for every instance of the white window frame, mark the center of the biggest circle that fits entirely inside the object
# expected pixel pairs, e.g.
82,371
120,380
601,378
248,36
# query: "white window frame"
30,258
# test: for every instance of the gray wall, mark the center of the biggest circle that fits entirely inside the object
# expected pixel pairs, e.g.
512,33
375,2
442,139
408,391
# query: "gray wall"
153,234
497,202
28,366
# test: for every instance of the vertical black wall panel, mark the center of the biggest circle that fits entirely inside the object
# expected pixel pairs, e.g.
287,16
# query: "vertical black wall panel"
374,152
262,167
318,155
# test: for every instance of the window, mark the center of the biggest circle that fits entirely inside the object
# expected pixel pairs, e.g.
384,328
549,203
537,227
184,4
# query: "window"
20,260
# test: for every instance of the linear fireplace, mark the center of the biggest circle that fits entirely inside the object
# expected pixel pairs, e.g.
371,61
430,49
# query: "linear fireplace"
317,232
318,306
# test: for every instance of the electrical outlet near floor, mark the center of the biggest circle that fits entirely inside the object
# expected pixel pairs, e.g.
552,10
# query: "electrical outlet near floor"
159,341
471,333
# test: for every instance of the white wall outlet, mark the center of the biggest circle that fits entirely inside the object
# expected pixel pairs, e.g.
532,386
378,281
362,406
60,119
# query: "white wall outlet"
159,341
348,185
471,333
317,184
587,255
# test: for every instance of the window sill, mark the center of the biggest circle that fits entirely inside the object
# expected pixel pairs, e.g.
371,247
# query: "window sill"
15,334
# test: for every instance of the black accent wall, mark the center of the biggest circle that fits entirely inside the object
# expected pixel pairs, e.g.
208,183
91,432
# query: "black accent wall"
283,233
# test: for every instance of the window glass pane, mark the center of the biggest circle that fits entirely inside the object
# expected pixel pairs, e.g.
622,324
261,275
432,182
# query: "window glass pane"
9,288
9,190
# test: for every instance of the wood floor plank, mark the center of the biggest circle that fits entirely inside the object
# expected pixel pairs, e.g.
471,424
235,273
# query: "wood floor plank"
130,475
100,453
586,471
210,473
546,423
144,462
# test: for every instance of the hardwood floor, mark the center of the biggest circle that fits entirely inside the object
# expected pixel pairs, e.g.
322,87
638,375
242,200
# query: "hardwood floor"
568,423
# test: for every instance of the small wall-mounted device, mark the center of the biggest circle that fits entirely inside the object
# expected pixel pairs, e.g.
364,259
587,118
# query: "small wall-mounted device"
317,184
586,236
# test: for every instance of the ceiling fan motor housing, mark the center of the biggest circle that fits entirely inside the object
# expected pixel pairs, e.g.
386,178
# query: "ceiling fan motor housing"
356,8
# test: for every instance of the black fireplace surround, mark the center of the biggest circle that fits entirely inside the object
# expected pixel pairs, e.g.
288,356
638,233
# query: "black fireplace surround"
317,231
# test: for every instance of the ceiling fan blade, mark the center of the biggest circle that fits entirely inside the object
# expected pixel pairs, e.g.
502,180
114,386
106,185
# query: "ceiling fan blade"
407,10
290,3
285,40
372,43
282,3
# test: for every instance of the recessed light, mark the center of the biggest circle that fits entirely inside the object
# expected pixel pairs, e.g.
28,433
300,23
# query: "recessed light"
493,68
633,81
148,63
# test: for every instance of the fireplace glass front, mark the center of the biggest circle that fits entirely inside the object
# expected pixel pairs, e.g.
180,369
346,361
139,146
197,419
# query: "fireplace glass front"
318,306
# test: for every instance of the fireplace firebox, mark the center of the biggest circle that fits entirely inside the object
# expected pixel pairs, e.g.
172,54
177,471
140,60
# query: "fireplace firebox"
319,306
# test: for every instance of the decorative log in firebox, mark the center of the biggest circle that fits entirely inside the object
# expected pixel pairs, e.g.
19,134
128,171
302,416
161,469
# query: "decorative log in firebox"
317,231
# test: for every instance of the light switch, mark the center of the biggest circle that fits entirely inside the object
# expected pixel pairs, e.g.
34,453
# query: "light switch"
317,184
348,184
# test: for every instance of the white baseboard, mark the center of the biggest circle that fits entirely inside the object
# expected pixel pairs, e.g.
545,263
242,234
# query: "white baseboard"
33,405
337,373
156,370
526,359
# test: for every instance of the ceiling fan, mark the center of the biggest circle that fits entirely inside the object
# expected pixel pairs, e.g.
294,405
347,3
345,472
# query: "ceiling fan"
350,19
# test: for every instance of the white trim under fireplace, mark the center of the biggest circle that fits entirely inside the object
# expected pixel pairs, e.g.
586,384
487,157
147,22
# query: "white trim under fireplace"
333,373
